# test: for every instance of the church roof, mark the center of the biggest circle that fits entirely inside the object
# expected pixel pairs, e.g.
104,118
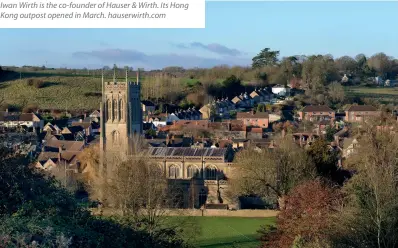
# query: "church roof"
186,152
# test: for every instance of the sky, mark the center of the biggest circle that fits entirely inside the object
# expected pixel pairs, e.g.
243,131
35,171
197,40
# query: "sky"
234,33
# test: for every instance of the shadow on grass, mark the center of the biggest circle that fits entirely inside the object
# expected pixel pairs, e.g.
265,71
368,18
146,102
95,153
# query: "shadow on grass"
247,241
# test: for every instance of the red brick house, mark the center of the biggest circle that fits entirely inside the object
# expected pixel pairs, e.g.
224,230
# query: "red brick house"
254,119
317,113
360,113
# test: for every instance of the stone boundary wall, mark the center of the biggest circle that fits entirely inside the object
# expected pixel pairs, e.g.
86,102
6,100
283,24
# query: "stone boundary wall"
258,213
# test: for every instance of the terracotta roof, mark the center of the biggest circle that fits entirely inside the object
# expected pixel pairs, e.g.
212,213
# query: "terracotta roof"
361,108
247,115
317,108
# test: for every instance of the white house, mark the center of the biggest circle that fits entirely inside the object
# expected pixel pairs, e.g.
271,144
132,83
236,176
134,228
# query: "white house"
29,120
281,90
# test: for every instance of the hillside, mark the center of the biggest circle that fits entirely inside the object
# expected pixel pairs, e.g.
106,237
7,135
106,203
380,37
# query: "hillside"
57,93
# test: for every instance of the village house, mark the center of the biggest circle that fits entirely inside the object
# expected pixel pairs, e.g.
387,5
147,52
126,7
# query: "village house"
64,160
29,120
261,96
148,107
88,127
360,113
254,119
53,129
77,133
217,108
316,113
281,90
349,146
243,101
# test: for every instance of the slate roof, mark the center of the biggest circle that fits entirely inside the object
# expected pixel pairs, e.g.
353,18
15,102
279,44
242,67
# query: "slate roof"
186,152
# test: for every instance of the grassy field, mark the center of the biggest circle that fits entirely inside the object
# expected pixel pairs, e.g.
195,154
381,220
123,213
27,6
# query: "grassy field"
223,232
58,92
384,95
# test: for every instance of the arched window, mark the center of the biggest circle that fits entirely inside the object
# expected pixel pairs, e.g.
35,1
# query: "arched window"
211,173
109,110
121,110
114,107
115,138
192,171
174,171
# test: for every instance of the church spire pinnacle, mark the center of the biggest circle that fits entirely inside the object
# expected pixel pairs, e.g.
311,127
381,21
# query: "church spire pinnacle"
114,73
127,74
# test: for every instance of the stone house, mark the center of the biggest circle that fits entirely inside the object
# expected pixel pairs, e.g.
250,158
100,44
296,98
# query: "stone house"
254,119
360,113
316,113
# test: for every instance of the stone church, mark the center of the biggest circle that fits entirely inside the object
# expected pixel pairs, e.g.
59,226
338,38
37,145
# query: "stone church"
201,172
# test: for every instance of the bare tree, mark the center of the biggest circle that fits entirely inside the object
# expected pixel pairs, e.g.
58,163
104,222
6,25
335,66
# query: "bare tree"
271,173
370,214
133,187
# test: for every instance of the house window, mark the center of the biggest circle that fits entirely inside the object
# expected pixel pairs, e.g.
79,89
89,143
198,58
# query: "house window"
174,171
192,171
211,173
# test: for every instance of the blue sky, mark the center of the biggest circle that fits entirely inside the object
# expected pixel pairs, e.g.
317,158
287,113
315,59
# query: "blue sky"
234,33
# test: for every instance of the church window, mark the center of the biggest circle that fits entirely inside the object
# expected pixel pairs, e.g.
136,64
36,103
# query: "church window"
115,138
121,110
174,171
109,110
211,173
114,107
192,171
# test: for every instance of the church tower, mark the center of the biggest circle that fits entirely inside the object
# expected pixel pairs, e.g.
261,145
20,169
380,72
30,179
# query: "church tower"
121,115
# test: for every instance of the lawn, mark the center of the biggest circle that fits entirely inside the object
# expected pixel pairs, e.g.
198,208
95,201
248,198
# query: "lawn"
223,232
382,94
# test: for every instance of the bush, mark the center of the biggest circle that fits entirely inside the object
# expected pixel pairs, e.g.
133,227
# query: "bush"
30,82
95,94
38,84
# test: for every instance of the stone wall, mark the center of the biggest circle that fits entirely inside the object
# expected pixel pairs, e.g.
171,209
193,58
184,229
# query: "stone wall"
258,213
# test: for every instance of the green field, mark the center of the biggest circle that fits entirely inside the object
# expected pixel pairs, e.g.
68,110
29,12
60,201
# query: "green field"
223,232
382,94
